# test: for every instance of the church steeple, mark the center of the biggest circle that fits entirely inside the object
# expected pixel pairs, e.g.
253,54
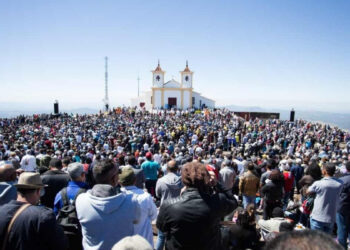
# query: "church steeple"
158,76
186,77
187,69
158,67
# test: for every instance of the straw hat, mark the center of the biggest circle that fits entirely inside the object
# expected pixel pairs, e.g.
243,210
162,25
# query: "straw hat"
29,180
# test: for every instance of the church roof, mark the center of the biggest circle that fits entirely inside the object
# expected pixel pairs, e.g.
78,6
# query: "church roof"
197,93
172,84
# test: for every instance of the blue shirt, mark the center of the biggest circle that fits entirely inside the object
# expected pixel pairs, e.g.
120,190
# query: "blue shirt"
150,169
297,171
72,190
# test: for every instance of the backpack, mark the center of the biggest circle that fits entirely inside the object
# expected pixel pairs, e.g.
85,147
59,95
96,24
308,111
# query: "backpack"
68,219
308,204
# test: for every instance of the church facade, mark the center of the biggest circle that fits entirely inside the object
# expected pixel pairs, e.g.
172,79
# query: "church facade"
172,94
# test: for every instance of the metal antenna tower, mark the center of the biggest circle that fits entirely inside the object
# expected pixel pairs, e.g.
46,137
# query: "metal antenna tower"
105,100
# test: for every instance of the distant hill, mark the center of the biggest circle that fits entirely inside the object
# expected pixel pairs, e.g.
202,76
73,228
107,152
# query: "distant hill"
341,120
14,113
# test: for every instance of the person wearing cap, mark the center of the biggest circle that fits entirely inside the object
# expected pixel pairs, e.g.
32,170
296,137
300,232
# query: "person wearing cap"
44,164
127,180
150,169
32,227
77,183
55,179
140,176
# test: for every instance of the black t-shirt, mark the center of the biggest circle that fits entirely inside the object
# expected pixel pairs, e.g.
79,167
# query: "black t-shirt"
35,228
55,181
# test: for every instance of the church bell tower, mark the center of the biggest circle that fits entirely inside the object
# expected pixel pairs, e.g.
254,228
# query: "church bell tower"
158,77
186,77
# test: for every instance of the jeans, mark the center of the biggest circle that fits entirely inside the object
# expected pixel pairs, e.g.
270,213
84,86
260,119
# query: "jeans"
160,240
321,226
305,220
343,222
247,200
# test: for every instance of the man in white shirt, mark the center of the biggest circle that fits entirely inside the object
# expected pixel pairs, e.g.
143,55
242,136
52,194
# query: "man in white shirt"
127,180
157,157
28,162
240,166
78,138
227,175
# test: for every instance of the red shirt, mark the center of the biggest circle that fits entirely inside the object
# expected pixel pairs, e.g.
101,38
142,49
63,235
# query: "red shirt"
288,181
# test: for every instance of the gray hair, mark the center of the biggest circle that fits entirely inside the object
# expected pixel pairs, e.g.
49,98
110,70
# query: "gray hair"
135,242
75,170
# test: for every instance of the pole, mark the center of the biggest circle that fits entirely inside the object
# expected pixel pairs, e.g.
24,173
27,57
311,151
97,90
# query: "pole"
106,85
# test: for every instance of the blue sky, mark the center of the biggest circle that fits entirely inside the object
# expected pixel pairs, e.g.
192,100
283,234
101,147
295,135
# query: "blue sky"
279,54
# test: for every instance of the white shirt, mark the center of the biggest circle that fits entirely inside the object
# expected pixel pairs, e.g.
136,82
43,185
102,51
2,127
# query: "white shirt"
272,225
158,158
120,149
199,150
28,163
148,212
78,138
240,167
39,156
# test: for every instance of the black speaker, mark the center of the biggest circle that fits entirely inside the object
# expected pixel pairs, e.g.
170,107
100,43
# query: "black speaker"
292,115
55,108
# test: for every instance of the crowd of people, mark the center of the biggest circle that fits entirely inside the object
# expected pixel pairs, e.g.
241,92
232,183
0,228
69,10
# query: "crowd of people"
197,179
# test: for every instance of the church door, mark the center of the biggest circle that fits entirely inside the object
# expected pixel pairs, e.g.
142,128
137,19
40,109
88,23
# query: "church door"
172,102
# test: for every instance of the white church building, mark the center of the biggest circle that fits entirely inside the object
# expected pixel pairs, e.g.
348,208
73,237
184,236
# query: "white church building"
172,94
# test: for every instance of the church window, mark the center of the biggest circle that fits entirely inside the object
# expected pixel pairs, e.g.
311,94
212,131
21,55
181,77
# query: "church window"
186,78
158,78
193,101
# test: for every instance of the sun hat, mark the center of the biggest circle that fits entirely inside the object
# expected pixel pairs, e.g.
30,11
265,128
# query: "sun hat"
29,180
